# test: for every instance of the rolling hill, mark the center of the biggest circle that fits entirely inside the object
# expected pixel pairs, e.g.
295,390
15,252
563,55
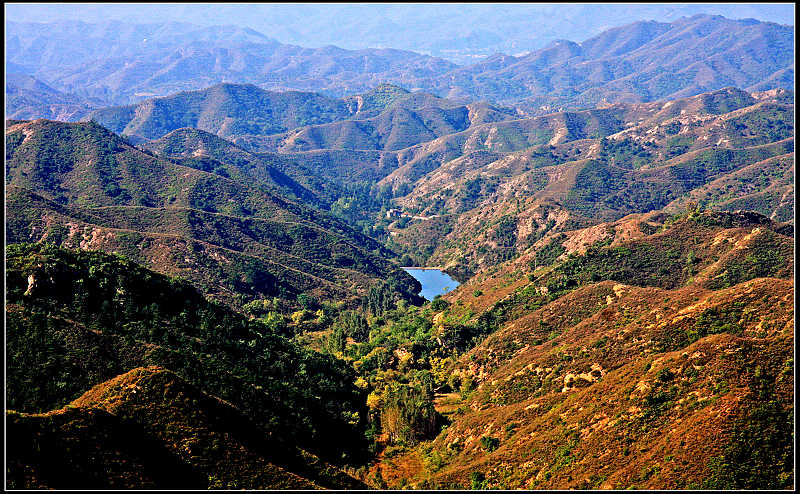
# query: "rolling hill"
479,172
639,158
385,118
395,128
204,151
225,110
79,185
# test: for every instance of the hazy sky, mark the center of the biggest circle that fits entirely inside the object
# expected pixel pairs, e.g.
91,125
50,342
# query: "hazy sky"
250,14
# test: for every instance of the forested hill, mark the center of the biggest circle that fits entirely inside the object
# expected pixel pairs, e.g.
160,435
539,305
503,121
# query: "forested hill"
79,185
225,110
80,319
387,117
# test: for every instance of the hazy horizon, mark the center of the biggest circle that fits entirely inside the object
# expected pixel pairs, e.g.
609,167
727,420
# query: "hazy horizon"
459,32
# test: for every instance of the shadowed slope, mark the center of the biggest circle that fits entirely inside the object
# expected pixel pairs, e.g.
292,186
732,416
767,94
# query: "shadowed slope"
76,319
186,438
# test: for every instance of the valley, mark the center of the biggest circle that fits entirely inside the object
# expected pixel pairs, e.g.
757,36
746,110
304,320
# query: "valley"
233,263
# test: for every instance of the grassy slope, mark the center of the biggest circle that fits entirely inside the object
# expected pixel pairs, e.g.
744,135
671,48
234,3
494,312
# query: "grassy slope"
632,427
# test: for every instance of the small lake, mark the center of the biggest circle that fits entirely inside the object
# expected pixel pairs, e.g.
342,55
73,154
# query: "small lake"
434,281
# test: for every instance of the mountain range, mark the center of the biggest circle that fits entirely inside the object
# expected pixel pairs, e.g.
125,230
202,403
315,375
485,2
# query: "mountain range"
30,98
137,61
205,229
461,35
477,167
643,61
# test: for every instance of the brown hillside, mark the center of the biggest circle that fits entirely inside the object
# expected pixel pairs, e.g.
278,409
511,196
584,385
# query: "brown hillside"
726,149
602,389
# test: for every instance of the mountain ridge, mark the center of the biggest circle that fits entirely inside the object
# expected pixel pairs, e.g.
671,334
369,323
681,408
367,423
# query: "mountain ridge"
693,55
